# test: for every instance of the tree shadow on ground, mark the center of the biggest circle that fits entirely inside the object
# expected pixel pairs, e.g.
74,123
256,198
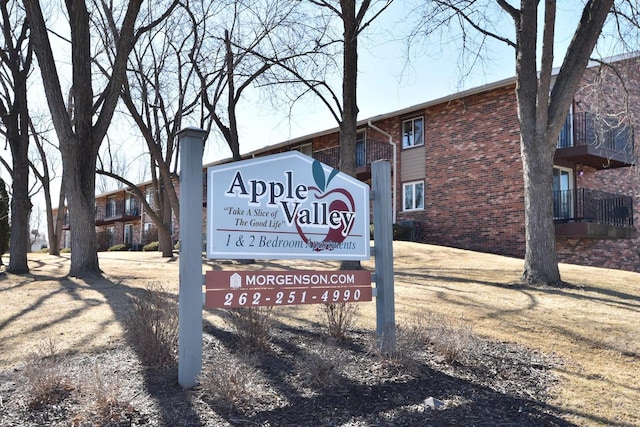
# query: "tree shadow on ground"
368,392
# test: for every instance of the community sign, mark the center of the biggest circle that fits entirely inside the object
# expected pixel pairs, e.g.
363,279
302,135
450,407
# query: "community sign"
286,206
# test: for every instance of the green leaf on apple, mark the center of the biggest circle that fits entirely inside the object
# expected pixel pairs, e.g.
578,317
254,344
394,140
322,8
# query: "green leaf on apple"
333,173
318,174
319,177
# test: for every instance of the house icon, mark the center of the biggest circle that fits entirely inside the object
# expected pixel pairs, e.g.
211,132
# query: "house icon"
235,281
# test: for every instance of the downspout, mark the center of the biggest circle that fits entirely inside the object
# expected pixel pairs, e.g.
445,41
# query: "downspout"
395,165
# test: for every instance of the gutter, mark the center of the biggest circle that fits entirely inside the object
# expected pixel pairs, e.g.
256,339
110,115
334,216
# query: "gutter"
395,165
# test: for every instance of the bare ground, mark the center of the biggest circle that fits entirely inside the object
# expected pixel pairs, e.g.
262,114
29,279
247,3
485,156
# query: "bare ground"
546,356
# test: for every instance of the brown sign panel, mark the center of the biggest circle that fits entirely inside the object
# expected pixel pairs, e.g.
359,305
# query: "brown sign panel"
233,280
260,297
233,289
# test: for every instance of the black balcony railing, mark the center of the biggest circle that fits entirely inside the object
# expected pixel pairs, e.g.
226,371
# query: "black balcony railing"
366,152
583,205
588,129
117,210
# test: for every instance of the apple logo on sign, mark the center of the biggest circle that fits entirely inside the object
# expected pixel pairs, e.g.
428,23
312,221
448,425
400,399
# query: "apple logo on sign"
331,213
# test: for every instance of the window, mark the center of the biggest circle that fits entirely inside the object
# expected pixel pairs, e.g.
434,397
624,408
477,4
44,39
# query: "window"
111,235
565,139
148,195
361,149
413,132
111,207
413,196
131,205
562,193
128,233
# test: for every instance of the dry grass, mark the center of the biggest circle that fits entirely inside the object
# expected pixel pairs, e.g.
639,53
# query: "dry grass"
592,326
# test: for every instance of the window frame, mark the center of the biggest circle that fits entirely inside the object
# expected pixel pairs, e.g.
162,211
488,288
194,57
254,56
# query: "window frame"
361,147
111,206
129,230
412,184
149,195
564,208
413,132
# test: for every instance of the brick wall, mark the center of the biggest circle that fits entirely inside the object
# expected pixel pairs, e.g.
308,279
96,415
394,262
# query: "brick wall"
473,183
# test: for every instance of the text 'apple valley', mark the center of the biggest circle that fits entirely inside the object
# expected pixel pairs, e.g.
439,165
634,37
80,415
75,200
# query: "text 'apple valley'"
292,200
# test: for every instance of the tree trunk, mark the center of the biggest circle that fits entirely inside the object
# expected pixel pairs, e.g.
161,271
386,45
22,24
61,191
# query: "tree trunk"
20,214
164,241
349,89
541,259
348,123
20,202
55,234
54,243
79,172
16,121
164,232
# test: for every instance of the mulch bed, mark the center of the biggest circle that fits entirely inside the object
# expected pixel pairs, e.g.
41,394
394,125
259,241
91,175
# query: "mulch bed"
303,378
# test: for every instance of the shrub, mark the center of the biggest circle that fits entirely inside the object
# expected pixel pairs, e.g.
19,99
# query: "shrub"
43,251
409,343
340,318
105,394
233,382
152,326
252,325
151,247
119,247
104,405
65,250
454,342
321,368
45,377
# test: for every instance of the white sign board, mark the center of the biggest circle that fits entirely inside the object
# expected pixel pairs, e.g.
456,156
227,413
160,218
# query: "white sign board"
286,206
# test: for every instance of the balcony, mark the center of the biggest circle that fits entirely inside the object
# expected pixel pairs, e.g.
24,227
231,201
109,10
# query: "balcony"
366,152
592,214
596,142
116,212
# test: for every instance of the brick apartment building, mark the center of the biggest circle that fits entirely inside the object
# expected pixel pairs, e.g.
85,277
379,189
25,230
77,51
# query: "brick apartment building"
458,172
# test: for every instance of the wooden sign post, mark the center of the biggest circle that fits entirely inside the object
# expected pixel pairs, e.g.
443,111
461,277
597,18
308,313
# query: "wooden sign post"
383,238
190,293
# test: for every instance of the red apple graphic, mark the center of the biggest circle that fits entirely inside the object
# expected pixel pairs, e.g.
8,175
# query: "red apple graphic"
341,201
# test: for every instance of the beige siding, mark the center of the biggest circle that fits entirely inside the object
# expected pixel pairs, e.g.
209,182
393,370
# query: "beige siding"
412,164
